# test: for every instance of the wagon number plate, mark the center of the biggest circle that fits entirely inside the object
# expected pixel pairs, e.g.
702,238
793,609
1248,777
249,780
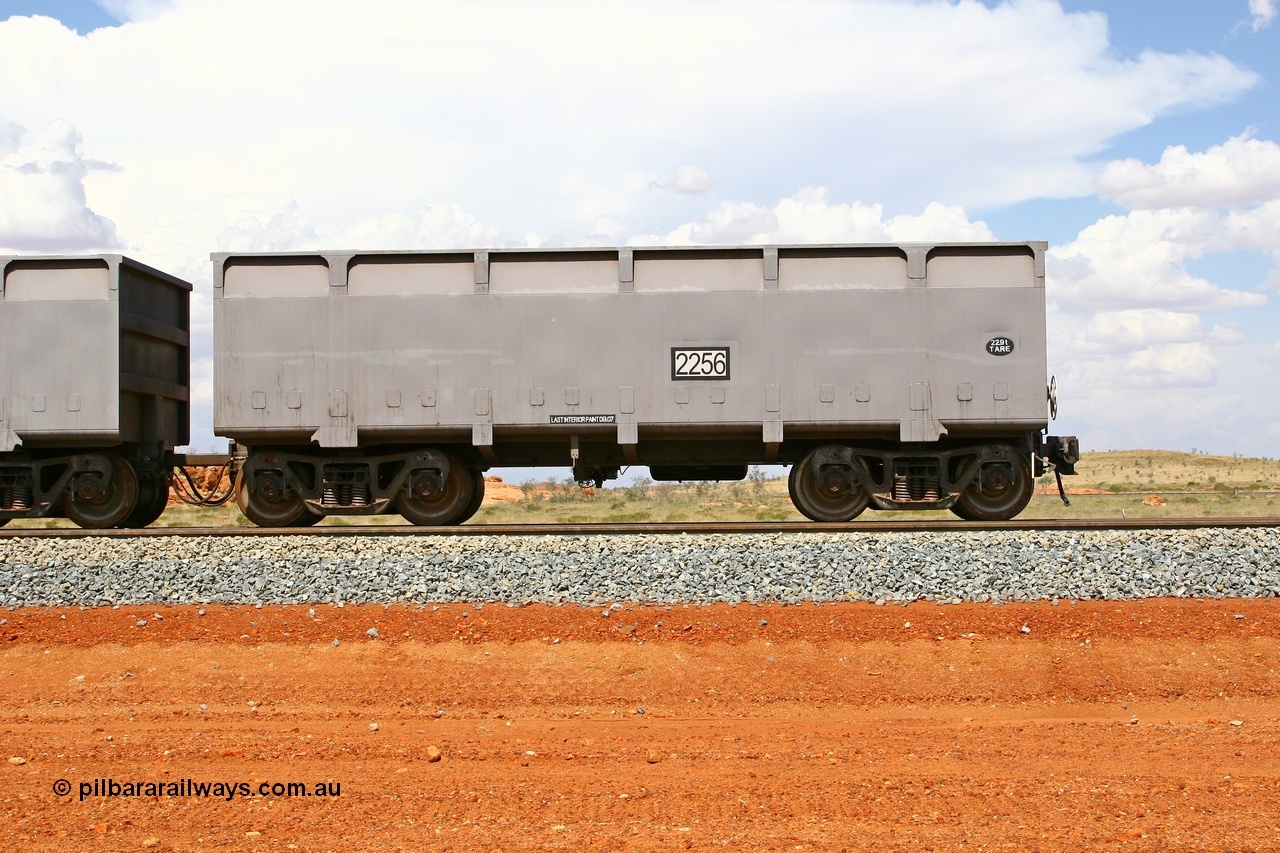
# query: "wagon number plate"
699,362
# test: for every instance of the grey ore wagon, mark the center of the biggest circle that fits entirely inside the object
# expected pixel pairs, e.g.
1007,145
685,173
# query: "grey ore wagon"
897,376
94,384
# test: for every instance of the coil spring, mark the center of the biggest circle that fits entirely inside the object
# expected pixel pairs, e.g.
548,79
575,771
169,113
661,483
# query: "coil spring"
345,494
928,487
914,488
901,489
15,498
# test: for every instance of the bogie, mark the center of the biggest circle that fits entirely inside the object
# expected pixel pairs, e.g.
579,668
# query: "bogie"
286,487
986,482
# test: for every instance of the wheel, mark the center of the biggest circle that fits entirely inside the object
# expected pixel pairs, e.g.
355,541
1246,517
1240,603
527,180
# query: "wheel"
998,497
153,497
477,497
831,499
91,503
308,520
424,506
285,509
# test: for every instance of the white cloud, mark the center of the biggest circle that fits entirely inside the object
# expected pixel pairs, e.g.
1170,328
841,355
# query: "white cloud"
732,222
1136,329
1241,171
439,226
382,108
1133,270
181,242
1126,305
1166,366
1137,350
807,217
43,207
1177,395
1126,326
1173,419
1263,12
1272,355
690,179
616,200
1225,334
283,230
1137,261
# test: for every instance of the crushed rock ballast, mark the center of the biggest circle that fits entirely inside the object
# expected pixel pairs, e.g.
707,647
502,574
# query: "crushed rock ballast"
731,568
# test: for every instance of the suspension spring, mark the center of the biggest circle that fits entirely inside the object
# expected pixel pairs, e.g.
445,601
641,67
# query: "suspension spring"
901,488
931,489
16,498
923,488
342,494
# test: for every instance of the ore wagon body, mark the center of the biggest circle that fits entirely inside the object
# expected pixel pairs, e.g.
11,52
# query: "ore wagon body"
94,387
898,376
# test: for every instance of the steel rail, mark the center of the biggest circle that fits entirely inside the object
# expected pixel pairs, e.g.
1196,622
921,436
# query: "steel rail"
661,528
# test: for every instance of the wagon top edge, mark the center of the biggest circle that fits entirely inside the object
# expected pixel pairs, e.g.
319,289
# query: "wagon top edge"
112,262
1034,246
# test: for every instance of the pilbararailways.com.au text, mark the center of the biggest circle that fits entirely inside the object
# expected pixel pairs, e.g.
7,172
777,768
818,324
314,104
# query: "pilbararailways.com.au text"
228,791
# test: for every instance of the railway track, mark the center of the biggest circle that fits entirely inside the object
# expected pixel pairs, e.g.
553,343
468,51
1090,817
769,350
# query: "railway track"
657,528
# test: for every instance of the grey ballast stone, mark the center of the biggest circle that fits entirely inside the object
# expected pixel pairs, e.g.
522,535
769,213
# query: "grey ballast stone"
602,571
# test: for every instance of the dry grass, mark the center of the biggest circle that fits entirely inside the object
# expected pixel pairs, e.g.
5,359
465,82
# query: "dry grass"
1191,485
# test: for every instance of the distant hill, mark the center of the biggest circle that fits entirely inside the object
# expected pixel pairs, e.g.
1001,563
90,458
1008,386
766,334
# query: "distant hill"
1167,470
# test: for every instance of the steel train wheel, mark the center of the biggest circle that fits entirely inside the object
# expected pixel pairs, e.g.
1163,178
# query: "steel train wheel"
286,510
95,505
448,505
153,497
997,498
477,497
824,500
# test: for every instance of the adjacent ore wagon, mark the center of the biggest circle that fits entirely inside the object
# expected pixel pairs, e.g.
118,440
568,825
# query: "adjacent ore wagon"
94,388
897,376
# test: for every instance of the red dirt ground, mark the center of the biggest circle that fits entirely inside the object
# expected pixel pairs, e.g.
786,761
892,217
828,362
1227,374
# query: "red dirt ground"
1103,726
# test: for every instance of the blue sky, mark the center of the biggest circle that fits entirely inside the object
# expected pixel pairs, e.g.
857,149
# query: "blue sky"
83,16
1139,138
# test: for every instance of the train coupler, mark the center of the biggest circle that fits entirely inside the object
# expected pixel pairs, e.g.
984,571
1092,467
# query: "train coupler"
1059,453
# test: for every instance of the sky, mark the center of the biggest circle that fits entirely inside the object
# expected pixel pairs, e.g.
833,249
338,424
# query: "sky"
1140,138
